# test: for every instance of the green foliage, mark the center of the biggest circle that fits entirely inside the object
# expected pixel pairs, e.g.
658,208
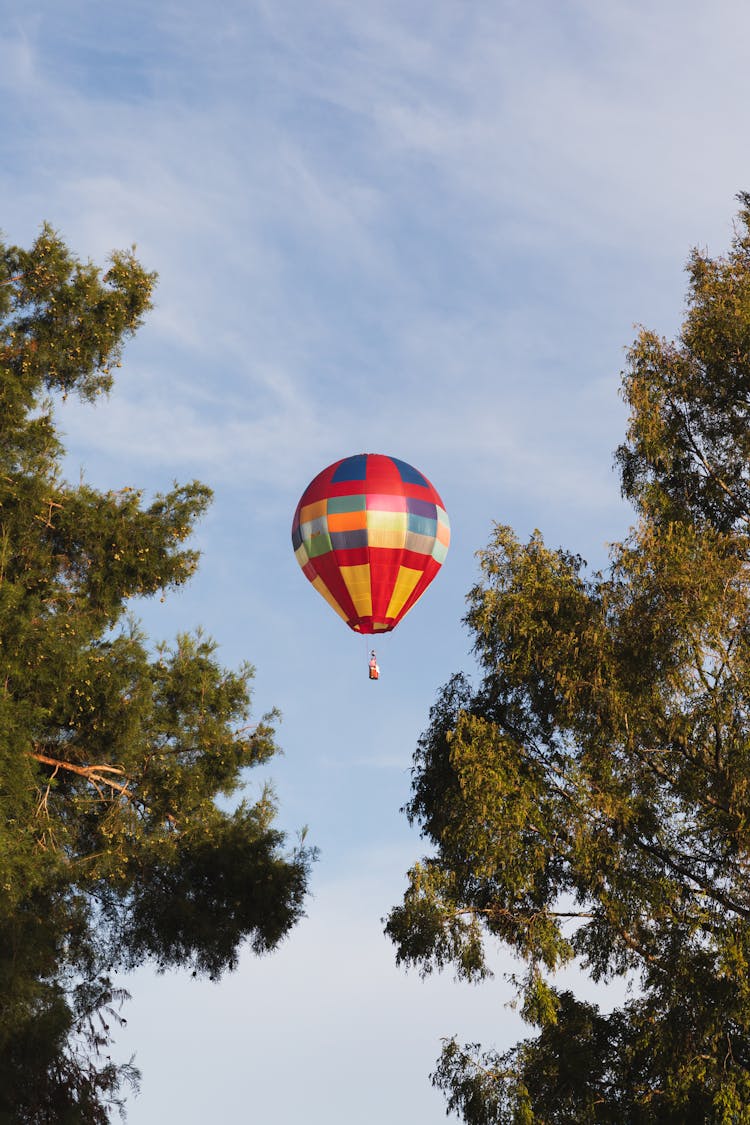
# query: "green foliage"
688,445
113,848
591,797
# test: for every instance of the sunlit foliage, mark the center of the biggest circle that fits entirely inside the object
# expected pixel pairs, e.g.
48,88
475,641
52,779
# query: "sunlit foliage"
590,798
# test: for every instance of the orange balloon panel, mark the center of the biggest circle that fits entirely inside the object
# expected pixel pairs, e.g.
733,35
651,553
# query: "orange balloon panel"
370,533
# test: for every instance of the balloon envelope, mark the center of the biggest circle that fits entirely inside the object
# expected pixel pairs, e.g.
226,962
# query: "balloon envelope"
370,533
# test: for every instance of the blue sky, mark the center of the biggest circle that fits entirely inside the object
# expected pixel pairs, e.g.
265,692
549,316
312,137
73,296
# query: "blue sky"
422,229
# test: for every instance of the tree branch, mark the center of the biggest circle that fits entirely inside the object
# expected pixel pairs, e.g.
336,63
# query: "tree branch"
93,774
495,1075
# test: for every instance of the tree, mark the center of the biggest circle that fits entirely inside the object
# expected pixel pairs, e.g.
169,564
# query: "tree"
590,798
113,752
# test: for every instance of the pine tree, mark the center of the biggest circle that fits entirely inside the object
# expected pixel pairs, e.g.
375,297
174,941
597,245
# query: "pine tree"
113,751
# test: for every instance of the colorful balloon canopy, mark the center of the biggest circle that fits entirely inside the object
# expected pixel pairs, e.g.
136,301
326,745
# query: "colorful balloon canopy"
370,533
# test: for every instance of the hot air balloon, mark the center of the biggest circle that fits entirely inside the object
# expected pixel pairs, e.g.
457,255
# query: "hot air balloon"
370,533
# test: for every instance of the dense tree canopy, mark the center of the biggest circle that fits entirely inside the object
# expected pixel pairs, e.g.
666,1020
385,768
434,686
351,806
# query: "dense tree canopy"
113,752
590,798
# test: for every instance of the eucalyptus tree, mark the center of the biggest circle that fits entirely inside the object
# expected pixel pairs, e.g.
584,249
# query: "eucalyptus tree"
589,798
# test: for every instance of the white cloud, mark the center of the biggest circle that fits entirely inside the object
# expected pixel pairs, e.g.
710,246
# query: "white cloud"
327,1021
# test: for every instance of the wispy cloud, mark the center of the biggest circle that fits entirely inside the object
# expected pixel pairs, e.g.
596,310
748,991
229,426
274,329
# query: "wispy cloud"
373,240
